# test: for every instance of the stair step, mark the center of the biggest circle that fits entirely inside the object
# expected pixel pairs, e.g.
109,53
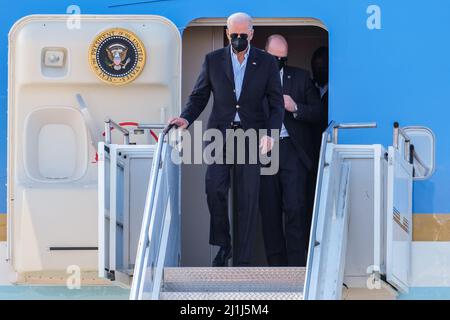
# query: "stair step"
231,296
234,279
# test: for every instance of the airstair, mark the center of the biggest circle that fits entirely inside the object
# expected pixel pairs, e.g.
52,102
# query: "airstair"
362,222
360,234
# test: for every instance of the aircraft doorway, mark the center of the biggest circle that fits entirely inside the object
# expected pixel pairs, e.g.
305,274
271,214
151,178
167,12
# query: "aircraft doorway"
200,37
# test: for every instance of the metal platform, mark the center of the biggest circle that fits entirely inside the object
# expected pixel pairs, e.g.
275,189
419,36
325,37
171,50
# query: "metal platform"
231,296
246,283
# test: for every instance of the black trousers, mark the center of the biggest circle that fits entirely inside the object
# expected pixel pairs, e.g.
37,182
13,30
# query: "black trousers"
217,185
285,193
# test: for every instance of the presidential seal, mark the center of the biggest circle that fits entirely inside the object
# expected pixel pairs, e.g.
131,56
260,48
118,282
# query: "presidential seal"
117,56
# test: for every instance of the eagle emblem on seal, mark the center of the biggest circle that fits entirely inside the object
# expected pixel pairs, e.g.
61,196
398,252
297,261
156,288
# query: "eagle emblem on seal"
117,55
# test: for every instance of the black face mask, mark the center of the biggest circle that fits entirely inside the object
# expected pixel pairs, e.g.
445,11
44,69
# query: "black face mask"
281,62
239,43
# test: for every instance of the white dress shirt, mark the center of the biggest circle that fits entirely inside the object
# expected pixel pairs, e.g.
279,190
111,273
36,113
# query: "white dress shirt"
239,73
283,133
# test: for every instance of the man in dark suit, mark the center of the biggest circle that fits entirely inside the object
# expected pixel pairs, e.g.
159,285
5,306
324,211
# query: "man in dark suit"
241,78
319,67
286,191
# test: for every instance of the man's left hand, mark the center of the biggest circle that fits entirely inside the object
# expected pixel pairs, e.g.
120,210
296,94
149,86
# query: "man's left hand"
266,144
289,103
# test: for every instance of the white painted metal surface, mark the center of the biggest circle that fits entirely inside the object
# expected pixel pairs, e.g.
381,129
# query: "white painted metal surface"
56,204
361,259
327,267
124,171
104,187
430,264
366,241
376,247
399,220
7,274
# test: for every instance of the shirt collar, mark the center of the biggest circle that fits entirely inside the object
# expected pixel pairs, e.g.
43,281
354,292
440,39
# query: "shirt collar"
324,88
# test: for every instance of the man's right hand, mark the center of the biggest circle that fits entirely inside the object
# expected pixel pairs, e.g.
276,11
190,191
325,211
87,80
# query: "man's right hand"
179,122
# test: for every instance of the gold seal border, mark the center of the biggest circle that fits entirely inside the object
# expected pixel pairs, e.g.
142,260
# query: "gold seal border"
141,58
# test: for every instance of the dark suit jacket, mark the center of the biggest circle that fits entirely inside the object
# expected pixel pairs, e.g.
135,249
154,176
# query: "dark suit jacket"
261,81
297,84
325,111
318,130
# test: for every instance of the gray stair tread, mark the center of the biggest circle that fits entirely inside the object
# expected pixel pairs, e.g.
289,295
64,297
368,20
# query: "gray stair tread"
231,296
234,279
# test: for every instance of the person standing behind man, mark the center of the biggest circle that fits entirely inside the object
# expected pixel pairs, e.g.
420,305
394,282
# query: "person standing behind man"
241,78
319,67
286,191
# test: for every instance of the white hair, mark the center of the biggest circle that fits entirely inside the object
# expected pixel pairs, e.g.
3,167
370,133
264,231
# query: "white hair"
240,17
278,37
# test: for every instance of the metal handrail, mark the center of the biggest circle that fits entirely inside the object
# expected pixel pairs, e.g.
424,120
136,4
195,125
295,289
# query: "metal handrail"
336,128
152,126
407,147
399,131
312,238
409,153
144,239
110,123
419,160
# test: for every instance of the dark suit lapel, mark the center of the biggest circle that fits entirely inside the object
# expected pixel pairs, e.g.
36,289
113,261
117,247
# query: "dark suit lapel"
227,65
287,81
250,68
287,89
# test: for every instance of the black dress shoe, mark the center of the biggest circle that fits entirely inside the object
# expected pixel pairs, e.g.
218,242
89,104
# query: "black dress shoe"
222,257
